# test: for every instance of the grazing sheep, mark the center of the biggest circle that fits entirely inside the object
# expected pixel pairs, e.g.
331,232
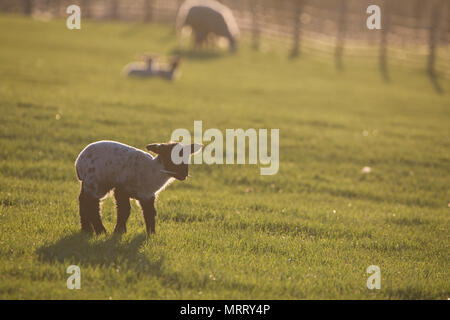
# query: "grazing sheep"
132,173
207,17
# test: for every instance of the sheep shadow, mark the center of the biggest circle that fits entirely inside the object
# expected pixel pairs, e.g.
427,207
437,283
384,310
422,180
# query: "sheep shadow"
83,250
200,54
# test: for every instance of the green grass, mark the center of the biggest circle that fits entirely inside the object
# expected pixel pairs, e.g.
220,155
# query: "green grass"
308,232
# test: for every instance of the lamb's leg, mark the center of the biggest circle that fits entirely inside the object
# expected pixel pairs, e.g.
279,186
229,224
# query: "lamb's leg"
123,210
86,225
94,215
149,211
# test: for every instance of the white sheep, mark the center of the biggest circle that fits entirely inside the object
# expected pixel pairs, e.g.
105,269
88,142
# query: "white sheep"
207,17
132,173
150,67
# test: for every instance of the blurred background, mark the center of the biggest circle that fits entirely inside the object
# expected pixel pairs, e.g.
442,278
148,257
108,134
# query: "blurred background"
414,32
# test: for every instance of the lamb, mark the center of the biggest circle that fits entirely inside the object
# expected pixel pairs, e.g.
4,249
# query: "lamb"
151,68
207,17
132,173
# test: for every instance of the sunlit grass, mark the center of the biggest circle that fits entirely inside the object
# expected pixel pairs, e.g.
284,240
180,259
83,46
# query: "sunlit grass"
308,232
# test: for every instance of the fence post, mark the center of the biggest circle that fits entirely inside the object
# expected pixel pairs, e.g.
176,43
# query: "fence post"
27,7
60,11
148,10
114,9
295,52
386,25
85,9
342,24
255,25
433,42
418,8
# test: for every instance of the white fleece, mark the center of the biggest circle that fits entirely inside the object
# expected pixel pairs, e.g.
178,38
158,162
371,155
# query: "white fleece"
104,165
214,5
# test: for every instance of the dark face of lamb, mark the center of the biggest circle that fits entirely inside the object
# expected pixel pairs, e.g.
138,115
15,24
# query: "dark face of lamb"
174,157
175,63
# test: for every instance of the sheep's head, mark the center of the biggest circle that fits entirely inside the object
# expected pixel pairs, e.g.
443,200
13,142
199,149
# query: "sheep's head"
175,157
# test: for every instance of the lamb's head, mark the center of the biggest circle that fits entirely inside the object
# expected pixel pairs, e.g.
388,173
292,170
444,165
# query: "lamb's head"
175,157
175,62
149,59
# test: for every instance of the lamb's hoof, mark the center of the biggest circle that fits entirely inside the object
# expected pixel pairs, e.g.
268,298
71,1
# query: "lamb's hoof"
100,231
87,231
120,230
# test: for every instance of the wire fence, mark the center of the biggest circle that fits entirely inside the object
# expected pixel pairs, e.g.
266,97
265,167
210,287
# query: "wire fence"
414,32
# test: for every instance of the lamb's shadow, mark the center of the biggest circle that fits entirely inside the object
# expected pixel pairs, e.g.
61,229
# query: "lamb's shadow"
81,249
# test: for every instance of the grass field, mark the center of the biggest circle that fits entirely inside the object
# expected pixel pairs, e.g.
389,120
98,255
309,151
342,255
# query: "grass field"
309,231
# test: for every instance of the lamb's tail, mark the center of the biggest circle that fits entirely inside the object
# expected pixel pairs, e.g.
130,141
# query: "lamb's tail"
77,170
78,174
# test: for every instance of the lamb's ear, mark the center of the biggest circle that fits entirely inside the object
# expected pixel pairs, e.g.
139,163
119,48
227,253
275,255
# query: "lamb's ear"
195,147
155,147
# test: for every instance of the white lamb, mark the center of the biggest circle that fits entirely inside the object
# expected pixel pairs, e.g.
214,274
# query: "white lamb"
132,173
